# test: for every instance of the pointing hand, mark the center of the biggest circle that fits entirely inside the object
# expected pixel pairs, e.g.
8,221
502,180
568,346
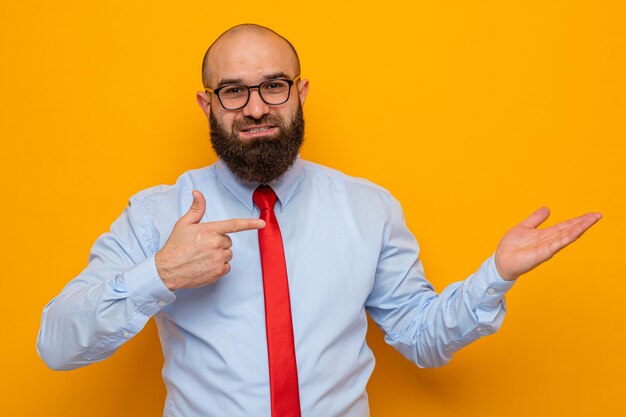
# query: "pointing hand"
524,247
197,254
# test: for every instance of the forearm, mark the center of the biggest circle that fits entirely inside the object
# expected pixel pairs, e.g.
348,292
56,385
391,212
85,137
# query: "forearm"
92,318
464,312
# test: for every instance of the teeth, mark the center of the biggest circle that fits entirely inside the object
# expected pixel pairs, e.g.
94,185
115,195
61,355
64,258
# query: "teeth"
262,129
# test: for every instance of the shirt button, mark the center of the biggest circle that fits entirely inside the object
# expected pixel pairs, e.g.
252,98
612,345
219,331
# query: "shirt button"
161,303
125,333
491,291
479,329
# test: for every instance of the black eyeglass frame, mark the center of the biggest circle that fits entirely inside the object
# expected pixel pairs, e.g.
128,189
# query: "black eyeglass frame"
249,89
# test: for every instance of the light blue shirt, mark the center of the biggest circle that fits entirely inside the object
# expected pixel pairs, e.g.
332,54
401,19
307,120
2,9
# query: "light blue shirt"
347,249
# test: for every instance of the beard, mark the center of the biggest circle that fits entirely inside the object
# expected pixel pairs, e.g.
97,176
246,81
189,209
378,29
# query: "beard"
259,160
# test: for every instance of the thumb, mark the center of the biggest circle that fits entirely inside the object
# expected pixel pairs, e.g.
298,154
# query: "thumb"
539,216
196,211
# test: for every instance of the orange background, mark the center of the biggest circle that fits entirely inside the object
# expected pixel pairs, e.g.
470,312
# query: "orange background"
472,113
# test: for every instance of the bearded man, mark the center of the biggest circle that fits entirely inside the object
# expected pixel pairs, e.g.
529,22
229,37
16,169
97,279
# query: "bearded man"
267,316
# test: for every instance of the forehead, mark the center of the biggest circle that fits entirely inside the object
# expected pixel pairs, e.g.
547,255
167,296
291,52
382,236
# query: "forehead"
250,57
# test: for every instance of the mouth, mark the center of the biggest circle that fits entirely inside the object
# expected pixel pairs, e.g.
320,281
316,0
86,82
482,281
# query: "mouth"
258,131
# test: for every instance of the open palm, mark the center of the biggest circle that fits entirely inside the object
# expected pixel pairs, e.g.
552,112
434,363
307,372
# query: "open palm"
524,247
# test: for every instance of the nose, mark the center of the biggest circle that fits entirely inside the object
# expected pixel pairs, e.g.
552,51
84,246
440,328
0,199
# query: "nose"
256,107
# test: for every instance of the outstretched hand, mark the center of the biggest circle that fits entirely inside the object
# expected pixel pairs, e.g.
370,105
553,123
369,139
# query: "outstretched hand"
524,247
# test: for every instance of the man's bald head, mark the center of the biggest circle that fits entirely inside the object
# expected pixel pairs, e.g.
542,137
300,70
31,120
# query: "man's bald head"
242,30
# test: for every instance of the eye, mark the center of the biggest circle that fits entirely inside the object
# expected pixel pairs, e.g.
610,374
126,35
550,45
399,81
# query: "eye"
275,86
233,91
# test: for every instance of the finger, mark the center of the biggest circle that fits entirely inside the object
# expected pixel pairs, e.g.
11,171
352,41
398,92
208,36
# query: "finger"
539,216
572,233
567,224
581,227
196,211
236,225
220,271
222,241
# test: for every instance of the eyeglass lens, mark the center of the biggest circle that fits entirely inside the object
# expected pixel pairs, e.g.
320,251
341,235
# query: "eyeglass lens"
272,92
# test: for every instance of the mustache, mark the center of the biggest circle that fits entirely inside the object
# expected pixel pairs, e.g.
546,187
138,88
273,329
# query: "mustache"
247,122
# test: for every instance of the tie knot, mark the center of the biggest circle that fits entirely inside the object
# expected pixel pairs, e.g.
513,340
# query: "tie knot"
264,197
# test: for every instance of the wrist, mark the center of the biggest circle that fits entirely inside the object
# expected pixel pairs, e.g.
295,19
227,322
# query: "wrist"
163,271
504,275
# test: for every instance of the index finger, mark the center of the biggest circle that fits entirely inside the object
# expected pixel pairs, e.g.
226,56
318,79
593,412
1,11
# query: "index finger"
585,221
236,225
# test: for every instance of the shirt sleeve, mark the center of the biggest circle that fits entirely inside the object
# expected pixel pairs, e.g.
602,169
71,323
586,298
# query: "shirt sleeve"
426,327
110,301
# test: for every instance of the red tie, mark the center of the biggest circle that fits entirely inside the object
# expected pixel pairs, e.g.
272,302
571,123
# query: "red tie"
284,395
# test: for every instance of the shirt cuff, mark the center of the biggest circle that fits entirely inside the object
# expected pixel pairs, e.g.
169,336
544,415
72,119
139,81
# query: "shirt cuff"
146,289
488,286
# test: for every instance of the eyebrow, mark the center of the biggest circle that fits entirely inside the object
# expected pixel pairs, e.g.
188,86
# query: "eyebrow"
272,76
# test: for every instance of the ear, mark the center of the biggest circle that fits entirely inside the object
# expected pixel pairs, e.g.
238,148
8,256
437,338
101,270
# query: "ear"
303,90
204,101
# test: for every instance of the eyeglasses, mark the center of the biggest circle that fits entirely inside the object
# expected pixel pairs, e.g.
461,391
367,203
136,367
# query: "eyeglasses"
236,96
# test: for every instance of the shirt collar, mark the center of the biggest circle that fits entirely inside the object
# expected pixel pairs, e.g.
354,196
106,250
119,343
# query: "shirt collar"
284,186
